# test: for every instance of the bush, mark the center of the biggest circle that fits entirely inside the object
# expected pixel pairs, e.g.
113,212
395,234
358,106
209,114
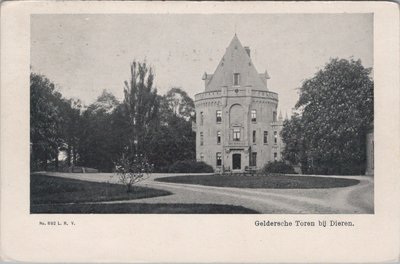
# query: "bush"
190,166
132,170
278,167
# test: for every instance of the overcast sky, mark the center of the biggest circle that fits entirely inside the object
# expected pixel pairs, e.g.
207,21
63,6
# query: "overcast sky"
84,54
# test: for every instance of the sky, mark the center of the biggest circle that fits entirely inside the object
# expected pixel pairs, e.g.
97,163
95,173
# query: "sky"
85,54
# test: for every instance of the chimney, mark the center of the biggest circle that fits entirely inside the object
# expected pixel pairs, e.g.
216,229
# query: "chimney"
247,50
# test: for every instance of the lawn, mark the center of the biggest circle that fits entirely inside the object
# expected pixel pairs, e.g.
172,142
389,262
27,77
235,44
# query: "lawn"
54,195
267,182
142,208
52,190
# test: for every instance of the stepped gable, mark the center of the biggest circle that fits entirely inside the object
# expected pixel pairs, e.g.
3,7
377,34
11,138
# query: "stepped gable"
235,60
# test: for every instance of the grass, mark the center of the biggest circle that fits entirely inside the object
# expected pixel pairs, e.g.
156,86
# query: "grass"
53,190
267,182
54,195
142,208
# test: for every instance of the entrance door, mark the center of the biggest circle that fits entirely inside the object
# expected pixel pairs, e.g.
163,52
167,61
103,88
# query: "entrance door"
236,161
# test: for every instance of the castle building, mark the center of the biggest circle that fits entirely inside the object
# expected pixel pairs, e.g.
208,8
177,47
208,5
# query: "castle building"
237,126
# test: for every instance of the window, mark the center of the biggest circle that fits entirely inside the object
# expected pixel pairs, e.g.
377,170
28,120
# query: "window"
219,159
265,137
201,156
275,156
219,116
236,134
201,118
253,115
254,136
201,139
274,116
275,137
236,79
218,137
253,160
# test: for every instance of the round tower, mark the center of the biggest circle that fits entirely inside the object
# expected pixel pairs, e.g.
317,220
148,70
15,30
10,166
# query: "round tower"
236,116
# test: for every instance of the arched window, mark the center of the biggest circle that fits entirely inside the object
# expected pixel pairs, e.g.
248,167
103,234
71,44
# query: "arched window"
236,115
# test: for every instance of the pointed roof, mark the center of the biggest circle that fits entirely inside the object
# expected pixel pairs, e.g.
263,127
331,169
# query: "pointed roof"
236,60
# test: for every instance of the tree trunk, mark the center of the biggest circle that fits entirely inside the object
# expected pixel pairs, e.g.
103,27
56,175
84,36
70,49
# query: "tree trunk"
56,161
69,155
74,154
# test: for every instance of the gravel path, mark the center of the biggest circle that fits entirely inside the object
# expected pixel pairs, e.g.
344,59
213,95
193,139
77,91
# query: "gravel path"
357,199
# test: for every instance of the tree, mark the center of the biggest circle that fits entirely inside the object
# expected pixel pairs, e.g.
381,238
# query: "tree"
336,106
45,121
179,103
293,138
141,105
174,140
101,139
71,128
132,171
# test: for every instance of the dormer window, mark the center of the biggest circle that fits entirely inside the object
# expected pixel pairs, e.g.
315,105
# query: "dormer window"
236,79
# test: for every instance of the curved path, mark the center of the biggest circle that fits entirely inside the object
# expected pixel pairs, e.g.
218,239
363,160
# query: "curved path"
357,199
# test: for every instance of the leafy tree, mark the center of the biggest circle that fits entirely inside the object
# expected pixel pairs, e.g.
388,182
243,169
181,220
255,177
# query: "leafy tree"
141,106
293,138
171,142
336,106
71,128
100,144
179,103
45,120
174,140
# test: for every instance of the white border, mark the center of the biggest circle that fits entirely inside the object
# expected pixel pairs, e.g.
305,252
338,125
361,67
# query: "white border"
193,238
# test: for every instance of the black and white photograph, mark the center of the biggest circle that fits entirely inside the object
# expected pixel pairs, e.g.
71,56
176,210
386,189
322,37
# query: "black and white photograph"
199,132
202,114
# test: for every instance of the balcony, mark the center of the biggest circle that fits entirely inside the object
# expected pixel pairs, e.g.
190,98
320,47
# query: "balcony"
232,143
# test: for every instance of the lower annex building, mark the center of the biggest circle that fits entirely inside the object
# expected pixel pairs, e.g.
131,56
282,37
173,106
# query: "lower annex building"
237,126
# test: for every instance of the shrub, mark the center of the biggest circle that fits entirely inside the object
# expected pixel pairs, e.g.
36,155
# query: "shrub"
278,167
190,166
132,170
